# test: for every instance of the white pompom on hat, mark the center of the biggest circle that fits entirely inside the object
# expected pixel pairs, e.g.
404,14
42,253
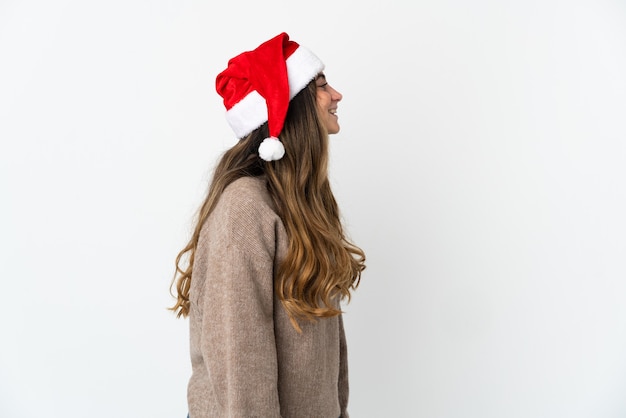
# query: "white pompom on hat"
271,149
257,86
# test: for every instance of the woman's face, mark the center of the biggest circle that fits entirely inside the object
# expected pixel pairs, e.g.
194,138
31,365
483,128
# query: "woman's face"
327,100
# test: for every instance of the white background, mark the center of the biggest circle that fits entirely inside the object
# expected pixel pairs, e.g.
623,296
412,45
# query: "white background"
481,165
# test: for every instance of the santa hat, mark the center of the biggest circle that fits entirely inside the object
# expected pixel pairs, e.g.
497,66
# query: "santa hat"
258,85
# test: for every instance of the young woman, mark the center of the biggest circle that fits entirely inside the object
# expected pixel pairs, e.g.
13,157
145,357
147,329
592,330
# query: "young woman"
268,261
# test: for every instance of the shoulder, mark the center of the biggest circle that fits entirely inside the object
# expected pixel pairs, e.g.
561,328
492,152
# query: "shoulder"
246,200
244,217
246,190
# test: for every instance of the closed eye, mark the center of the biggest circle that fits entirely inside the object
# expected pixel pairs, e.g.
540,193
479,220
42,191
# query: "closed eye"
321,78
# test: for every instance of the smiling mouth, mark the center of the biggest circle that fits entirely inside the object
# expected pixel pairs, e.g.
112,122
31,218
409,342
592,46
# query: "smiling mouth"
333,111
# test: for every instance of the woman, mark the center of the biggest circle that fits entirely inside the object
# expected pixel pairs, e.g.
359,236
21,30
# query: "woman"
268,261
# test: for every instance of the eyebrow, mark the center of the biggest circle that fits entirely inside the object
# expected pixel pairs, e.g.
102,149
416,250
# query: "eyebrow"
321,75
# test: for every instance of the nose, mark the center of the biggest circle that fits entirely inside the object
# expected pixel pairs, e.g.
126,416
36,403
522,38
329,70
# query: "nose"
335,95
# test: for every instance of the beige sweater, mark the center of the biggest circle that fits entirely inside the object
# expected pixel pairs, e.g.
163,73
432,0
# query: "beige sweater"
247,360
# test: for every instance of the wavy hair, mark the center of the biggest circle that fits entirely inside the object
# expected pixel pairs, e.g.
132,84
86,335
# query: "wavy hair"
321,264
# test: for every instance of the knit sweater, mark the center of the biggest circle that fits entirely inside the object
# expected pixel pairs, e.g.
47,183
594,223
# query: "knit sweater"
247,359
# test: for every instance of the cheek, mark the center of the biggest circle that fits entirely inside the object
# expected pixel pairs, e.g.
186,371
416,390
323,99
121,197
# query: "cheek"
323,100
322,109
319,108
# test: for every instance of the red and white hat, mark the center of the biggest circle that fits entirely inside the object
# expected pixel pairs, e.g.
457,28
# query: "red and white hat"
258,85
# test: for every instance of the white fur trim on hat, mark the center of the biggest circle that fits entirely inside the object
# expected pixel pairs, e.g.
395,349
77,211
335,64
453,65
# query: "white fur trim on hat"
271,149
302,67
248,114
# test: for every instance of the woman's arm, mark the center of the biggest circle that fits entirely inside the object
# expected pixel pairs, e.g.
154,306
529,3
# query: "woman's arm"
237,342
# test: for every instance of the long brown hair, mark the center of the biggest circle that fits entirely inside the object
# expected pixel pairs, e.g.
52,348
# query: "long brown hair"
321,264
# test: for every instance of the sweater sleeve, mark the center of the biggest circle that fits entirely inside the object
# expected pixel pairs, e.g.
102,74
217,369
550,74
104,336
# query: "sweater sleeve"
343,371
237,342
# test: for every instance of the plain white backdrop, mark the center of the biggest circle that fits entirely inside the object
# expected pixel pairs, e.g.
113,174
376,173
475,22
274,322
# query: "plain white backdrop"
481,165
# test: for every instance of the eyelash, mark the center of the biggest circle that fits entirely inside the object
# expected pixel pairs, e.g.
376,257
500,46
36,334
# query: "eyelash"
323,85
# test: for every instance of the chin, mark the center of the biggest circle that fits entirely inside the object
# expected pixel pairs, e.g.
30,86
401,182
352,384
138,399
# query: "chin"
333,129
